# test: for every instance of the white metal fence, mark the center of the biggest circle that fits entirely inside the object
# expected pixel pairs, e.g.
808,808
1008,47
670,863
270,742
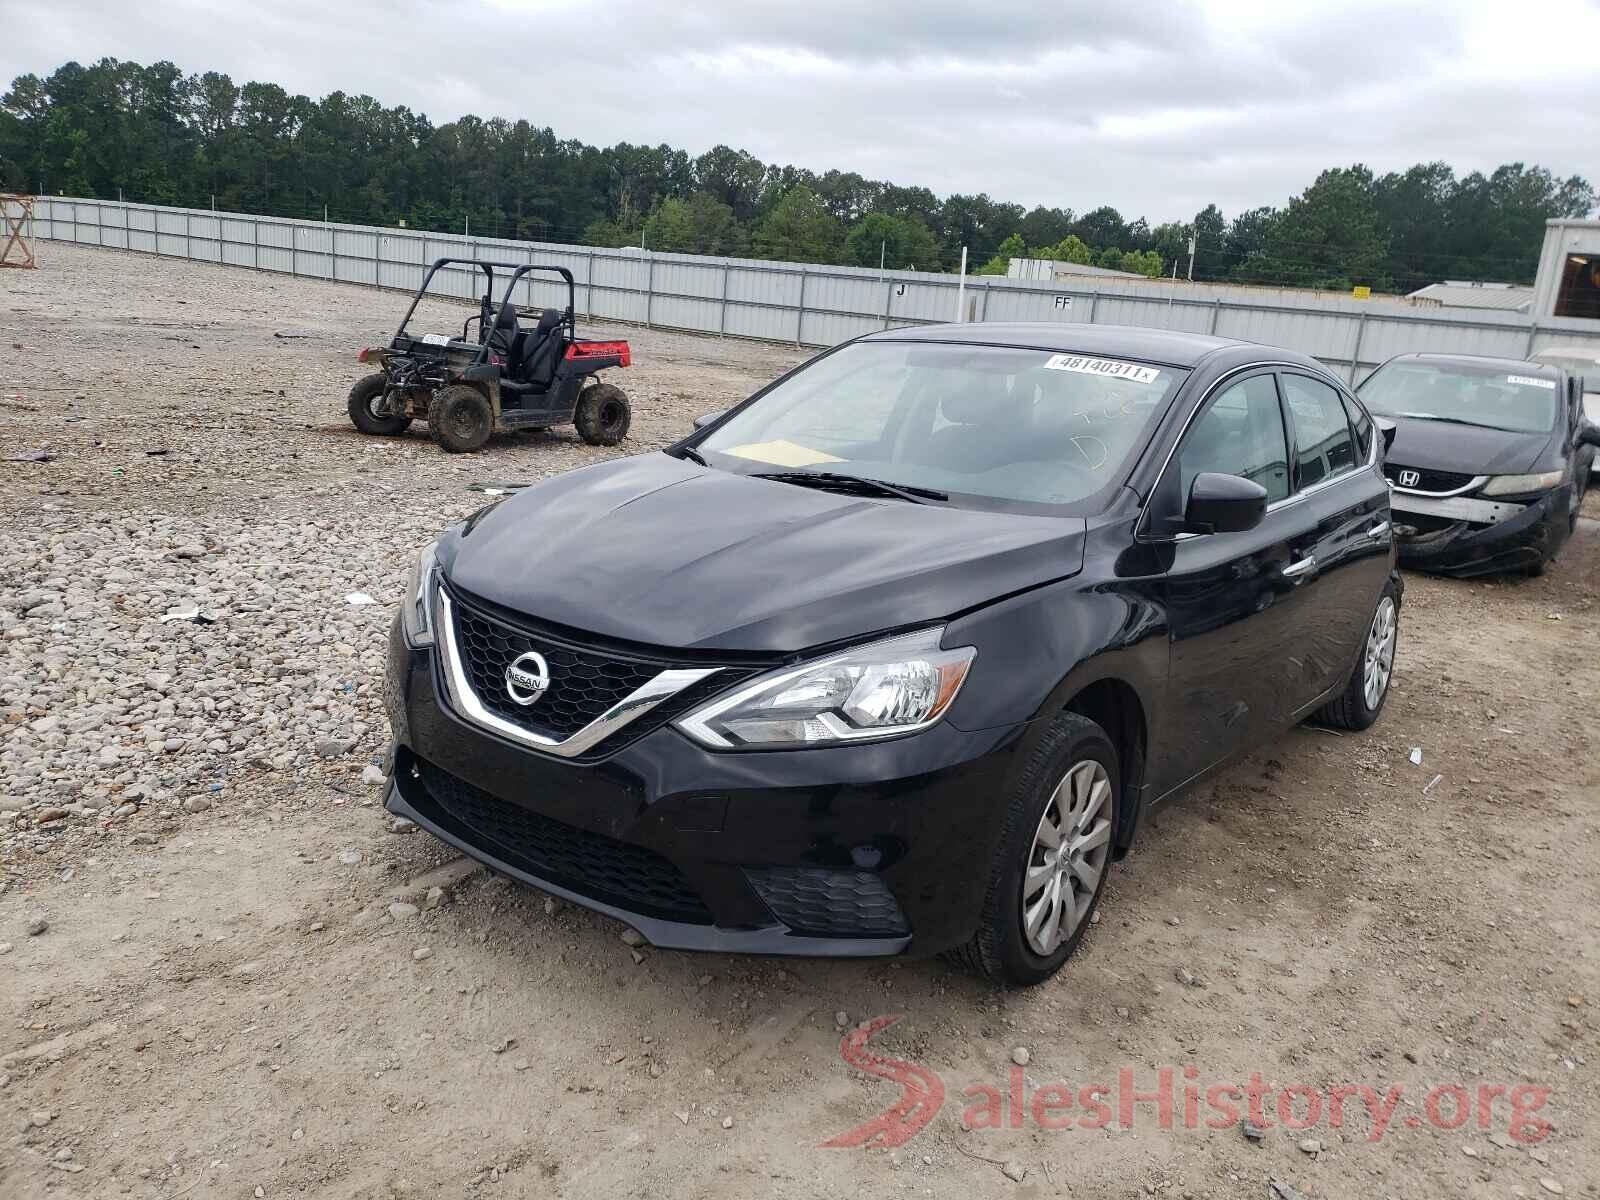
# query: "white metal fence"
798,303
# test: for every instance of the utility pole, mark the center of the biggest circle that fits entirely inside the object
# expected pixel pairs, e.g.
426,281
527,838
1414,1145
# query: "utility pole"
883,248
1191,258
961,289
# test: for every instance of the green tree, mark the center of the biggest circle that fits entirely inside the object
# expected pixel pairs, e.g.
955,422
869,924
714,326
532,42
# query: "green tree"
1142,262
903,242
1330,236
1170,241
1101,227
1000,264
1045,226
1210,242
702,224
799,229
1070,249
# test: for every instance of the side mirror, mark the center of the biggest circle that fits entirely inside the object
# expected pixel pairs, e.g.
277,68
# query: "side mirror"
705,419
1588,432
1388,429
1224,504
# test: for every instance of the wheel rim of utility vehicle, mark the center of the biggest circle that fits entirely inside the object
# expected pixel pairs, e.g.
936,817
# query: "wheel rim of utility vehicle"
1068,857
1379,663
378,406
611,416
464,421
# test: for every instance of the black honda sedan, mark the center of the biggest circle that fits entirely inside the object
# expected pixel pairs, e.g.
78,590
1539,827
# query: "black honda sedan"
1490,459
894,656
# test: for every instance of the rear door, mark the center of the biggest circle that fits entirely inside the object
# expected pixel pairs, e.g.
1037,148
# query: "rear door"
1344,503
1234,600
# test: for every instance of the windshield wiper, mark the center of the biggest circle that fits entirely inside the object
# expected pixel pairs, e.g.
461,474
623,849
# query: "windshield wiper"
693,455
1452,421
905,491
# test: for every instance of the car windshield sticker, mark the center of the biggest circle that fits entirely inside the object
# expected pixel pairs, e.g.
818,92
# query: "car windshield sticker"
435,339
1549,385
782,453
1105,367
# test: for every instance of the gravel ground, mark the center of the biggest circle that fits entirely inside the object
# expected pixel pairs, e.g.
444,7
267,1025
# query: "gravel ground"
223,974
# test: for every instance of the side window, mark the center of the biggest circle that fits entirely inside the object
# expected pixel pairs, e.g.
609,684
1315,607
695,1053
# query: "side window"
1362,424
1240,434
1323,444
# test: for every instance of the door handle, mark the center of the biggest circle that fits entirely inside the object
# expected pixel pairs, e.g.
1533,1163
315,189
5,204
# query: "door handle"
1295,569
1378,530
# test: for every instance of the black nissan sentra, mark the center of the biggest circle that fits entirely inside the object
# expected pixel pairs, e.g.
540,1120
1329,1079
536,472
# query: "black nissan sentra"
1490,459
894,656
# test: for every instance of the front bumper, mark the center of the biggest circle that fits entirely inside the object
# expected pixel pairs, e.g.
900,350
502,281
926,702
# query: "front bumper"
1466,537
874,849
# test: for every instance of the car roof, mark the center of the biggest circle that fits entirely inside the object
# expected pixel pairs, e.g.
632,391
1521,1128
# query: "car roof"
1521,365
1116,341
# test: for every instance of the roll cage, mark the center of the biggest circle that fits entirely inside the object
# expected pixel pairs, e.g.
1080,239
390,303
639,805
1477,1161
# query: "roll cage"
488,310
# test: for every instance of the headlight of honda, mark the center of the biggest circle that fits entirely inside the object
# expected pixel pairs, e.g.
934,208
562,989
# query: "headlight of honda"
881,690
416,609
1517,485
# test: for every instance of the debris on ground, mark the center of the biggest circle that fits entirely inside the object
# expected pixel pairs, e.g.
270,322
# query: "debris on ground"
190,612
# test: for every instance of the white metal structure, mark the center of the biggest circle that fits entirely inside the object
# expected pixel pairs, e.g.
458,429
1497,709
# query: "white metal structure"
806,304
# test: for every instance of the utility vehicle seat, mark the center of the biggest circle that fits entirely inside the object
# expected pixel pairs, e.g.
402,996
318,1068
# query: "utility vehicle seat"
503,337
539,349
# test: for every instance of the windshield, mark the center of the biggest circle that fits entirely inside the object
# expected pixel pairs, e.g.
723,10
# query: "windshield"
975,422
1492,396
1586,369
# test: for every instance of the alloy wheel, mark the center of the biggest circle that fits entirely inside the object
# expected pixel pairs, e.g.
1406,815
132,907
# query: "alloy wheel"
1379,662
1068,857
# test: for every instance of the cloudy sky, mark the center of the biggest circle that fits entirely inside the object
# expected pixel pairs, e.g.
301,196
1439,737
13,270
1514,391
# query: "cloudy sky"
1157,109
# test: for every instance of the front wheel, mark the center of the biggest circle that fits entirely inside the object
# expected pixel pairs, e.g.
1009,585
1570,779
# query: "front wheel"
1362,700
370,407
602,415
460,419
1053,858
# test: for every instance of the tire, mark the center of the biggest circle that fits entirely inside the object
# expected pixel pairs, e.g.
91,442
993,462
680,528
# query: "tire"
1073,751
460,419
1354,709
603,415
367,392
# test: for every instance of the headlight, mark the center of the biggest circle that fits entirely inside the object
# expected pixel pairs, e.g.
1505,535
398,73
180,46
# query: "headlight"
416,609
1517,485
881,690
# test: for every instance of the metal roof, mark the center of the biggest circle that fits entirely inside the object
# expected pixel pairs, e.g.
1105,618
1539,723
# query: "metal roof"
1453,294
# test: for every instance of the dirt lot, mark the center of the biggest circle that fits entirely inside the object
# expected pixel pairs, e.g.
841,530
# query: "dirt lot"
224,1004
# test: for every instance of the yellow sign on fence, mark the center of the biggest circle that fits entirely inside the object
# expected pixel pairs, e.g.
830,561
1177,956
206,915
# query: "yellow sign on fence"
1361,293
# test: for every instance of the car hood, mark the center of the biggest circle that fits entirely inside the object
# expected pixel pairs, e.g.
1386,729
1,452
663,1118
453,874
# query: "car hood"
657,550
1469,449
